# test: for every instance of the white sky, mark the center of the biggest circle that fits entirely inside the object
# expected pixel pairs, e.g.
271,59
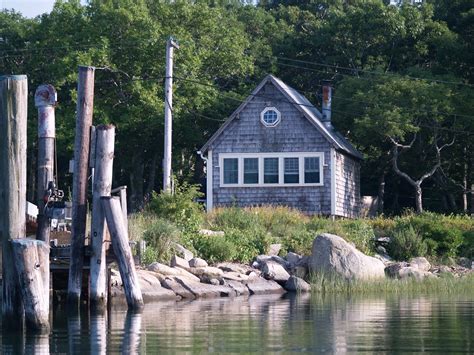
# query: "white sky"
29,8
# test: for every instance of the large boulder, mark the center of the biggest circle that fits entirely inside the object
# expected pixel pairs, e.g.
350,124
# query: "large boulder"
261,286
332,254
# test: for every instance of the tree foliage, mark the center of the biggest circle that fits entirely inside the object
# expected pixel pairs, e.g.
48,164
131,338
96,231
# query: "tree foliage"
397,72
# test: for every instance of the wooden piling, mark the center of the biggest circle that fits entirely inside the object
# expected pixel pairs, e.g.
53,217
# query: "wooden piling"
119,236
104,157
85,100
13,119
45,100
30,260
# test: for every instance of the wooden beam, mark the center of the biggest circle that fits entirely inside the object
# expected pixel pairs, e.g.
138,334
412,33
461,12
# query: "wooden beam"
13,120
85,102
119,236
104,158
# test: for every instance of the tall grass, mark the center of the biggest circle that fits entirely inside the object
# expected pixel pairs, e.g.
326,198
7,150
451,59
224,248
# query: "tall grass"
332,283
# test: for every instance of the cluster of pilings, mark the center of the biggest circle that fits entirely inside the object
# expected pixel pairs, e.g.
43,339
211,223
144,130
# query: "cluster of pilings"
25,263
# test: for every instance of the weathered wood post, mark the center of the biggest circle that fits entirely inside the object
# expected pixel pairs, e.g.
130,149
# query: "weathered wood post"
85,101
13,118
45,100
104,158
119,236
32,262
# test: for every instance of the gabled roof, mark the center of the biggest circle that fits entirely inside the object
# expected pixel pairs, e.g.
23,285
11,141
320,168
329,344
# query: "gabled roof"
303,105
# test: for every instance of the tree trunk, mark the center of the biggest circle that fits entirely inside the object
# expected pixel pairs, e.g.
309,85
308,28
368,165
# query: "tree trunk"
418,199
136,183
381,193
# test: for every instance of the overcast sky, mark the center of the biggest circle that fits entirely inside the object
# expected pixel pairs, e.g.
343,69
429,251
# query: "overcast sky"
29,8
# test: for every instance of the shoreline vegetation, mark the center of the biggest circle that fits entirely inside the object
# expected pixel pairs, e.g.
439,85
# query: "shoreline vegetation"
239,235
446,284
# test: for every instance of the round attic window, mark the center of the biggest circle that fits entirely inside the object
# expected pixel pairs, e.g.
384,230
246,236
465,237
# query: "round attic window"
270,117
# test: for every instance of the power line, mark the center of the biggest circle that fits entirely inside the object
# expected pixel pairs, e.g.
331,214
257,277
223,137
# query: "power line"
372,72
306,105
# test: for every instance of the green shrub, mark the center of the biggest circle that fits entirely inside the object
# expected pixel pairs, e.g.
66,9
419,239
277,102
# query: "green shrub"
180,208
406,243
160,238
214,248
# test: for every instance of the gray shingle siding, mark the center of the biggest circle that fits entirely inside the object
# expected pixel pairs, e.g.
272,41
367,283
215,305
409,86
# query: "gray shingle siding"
347,186
294,133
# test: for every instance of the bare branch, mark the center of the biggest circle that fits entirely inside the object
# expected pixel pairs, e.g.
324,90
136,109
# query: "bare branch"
403,146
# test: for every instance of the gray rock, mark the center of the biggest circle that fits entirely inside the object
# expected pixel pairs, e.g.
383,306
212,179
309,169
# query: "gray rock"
331,253
235,276
261,286
209,271
183,252
444,269
274,249
234,267
297,285
197,262
200,290
413,272
256,265
214,282
253,275
384,258
381,250
165,270
173,285
420,263
176,261
151,287
293,259
465,262
238,287
393,269
272,270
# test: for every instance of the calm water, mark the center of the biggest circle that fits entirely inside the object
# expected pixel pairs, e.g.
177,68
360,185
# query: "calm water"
265,324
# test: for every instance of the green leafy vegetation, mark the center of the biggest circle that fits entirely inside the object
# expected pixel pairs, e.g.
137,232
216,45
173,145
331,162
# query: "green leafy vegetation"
248,232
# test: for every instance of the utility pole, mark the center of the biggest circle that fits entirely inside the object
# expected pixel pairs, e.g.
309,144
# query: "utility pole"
45,100
13,118
170,46
85,103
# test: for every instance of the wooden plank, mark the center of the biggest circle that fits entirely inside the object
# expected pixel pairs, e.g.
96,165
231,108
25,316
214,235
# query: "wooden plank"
85,101
30,256
119,236
13,121
104,148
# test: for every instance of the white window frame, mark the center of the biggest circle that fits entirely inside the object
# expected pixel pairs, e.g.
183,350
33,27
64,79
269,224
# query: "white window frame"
272,124
280,156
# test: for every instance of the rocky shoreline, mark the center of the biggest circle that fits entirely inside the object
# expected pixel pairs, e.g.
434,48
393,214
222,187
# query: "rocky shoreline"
188,277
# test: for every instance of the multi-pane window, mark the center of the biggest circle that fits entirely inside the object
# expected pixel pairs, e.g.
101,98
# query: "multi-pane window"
311,170
250,170
231,171
292,171
270,116
270,171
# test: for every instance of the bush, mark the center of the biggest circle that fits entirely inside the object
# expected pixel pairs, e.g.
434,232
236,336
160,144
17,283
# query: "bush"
406,243
180,208
160,237
214,248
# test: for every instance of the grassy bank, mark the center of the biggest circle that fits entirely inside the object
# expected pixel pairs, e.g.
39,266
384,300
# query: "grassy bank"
327,283
249,231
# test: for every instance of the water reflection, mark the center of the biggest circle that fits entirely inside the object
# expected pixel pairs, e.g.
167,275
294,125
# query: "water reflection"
335,324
